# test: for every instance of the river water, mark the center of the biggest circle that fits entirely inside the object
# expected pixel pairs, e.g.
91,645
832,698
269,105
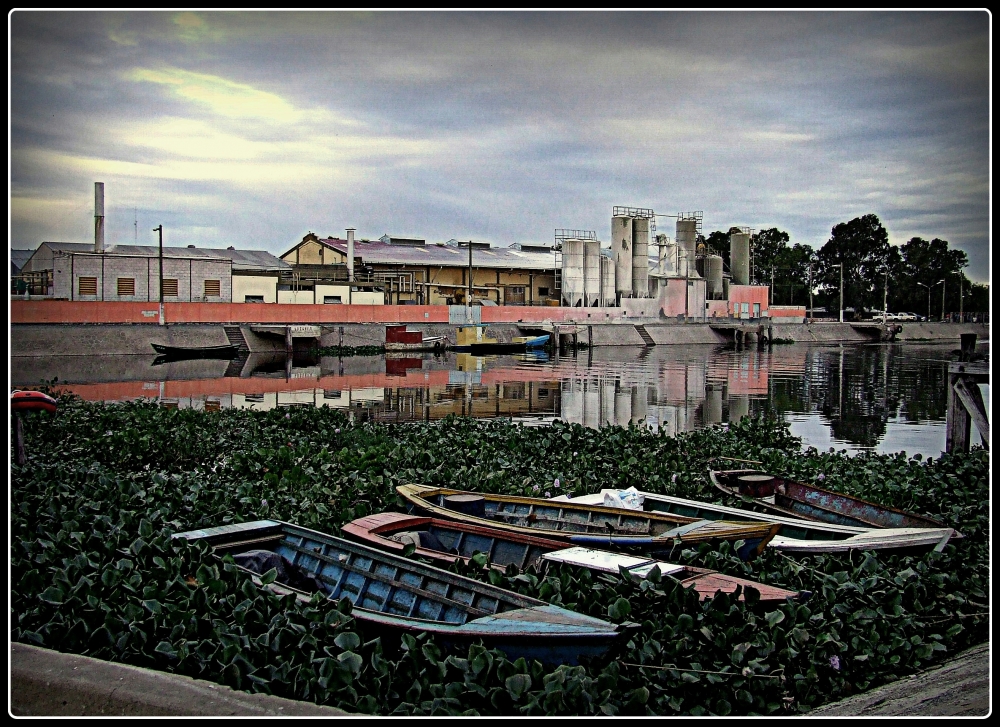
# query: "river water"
854,397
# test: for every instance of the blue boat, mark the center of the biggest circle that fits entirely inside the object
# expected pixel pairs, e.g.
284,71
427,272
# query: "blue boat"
531,342
395,594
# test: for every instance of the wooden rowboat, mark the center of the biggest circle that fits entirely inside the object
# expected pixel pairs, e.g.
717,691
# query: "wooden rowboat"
395,594
795,534
589,525
796,499
447,541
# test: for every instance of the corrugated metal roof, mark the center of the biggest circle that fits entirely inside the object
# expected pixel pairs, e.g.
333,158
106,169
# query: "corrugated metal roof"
380,253
241,259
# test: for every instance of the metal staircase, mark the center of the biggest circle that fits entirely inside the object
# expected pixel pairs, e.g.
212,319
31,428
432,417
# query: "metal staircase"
644,334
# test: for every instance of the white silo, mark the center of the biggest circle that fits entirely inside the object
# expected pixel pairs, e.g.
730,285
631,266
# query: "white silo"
713,271
640,257
592,404
607,402
592,272
572,272
607,281
687,234
621,251
571,402
739,257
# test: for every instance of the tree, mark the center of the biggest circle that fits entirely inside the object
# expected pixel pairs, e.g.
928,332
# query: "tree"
924,265
862,247
765,246
791,275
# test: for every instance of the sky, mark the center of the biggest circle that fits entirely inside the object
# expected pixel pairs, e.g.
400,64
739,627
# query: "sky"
253,129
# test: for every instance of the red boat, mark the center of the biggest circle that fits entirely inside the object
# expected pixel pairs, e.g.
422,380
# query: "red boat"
31,401
446,541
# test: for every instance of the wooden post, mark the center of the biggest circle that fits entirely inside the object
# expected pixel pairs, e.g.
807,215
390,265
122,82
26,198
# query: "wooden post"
19,455
959,423
964,406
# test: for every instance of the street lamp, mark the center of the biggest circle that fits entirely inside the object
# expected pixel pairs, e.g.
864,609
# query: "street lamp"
160,230
929,287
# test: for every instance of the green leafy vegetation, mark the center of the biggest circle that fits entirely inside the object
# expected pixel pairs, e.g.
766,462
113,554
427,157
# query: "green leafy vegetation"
94,570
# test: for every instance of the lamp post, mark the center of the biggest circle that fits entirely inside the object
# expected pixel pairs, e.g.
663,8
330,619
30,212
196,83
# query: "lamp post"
160,230
929,287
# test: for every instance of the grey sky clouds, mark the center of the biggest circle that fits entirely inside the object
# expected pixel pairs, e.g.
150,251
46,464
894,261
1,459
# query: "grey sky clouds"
253,128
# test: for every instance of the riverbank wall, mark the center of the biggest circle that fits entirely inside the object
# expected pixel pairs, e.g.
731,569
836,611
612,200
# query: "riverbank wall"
46,339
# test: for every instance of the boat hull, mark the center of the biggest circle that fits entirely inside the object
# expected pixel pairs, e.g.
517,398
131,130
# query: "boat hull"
799,500
397,595
461,541
594,526
189,352
798,535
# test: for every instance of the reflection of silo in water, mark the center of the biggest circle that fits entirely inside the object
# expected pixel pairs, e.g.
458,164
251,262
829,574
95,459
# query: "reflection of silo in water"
623,406
687,233
607,403
694,382
607,281
592,272
640,257
713,405
739,258
592,405
571,405
713,271
572,272
621,251
739,407
668,420
639,404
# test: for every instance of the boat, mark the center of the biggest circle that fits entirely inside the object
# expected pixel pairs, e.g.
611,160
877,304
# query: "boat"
530,342
32,401
795,535
184,352
589,525
787,497
445,541
398,338
392,594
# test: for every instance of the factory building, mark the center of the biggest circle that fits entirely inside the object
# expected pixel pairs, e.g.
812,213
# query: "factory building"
406,270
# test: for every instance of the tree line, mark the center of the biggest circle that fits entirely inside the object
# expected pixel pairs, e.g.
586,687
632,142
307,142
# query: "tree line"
905,277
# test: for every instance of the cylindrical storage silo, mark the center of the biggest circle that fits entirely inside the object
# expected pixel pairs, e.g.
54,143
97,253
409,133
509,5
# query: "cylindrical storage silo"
607,402
592,404
607,281
640,257
739,407
739,258
621,251
571,402
572,272
687,234
725,288
592,272
713,271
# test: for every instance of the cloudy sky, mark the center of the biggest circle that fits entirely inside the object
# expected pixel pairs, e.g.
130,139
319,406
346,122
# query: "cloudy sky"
252,129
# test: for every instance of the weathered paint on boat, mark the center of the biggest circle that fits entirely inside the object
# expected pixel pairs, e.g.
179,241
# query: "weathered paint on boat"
401,595
781,495
462,540
795,534
592,525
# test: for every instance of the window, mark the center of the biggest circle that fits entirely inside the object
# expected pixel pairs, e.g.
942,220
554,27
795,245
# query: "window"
332,299
126,287
253,299
543,292
87,286
170,287
213,288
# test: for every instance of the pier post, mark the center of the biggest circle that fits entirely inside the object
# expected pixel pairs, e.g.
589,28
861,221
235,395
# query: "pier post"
964,406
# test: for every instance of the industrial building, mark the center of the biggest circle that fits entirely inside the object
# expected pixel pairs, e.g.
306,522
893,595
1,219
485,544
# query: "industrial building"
76,271
412,271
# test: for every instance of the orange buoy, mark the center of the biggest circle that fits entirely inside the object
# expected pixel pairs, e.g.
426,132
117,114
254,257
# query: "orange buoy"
31,401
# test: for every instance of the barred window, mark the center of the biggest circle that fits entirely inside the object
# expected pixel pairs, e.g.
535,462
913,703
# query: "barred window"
170,286
87,286
213,289
126,286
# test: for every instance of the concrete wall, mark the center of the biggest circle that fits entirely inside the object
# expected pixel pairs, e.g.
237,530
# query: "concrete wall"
244,285
76,340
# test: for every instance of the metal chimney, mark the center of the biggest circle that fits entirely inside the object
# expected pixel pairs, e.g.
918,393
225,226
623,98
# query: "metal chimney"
350,254
98,216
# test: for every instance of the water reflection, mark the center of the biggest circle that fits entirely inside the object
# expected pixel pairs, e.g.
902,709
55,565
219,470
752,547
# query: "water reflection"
886,397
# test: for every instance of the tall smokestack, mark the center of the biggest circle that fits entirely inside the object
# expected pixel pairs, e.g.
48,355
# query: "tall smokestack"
350,254
98,216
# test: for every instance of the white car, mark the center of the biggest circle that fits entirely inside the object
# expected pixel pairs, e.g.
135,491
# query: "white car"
906,317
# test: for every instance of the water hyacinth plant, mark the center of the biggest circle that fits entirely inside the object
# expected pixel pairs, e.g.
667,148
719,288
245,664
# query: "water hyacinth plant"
95,572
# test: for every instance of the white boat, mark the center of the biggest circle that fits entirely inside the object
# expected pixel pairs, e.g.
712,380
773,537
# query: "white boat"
796,535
